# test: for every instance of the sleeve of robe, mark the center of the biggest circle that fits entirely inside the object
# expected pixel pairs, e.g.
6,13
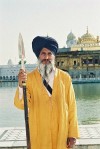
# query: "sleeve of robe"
19,103
72,112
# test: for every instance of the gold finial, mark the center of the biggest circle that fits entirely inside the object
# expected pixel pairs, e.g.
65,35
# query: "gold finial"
87,30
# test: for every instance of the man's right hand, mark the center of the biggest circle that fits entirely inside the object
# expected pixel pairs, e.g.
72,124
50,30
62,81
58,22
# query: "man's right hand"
22,77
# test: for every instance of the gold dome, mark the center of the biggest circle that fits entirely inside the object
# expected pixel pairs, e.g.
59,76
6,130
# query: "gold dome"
88,38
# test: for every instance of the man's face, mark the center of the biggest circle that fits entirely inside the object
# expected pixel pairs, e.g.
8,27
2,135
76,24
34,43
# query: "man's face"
46,56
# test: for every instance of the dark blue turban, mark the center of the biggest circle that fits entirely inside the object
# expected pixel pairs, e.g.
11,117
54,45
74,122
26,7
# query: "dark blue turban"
41,42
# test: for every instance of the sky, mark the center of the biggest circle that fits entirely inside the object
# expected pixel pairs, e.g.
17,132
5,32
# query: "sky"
55,18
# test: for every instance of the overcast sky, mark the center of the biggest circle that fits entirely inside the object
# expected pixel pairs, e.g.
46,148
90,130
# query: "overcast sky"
55,18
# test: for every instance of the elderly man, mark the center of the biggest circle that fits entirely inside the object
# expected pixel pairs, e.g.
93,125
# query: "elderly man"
51,100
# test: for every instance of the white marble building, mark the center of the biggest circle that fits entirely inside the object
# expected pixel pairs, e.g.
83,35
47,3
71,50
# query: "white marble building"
9,72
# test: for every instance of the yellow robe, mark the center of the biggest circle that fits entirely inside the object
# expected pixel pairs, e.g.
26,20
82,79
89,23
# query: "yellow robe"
51,119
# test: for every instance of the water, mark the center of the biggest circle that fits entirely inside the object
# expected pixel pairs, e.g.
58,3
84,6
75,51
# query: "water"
87,98
88,102
10,116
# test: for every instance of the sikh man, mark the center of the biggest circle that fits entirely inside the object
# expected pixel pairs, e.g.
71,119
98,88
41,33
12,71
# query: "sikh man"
51,100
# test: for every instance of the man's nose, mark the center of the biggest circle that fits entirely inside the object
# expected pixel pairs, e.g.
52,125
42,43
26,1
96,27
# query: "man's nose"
46,56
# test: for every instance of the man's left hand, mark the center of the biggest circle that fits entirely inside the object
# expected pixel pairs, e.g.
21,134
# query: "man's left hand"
71,142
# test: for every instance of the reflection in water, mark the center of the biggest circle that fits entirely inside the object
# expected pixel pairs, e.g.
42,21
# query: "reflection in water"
8,84
10,116
88,102
89,91
87,98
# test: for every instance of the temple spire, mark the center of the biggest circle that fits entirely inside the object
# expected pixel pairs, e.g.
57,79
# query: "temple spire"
87,30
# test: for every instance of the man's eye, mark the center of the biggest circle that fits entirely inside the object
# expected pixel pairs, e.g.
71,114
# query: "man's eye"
50,54
43,54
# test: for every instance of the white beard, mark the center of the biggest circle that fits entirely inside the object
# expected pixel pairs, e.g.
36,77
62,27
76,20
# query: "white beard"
46,69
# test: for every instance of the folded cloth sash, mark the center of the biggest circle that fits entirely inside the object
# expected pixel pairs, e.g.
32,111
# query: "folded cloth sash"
48,87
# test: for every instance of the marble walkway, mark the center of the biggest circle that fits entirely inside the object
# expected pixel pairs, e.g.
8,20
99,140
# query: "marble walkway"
16,136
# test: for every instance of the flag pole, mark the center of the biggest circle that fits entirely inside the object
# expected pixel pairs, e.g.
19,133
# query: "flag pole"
22,56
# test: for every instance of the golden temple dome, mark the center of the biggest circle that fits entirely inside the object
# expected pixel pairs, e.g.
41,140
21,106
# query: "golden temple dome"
87,38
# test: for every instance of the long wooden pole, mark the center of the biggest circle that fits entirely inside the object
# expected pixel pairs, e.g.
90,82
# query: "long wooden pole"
26,117
22,56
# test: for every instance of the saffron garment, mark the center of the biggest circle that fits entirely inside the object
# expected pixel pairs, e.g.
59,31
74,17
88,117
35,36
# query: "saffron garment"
52,119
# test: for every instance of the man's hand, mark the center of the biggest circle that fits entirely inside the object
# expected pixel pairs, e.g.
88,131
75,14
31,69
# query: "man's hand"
22,77
71,142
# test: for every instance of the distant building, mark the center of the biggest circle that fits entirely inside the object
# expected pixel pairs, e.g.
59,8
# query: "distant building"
9,72
71,40
81,58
